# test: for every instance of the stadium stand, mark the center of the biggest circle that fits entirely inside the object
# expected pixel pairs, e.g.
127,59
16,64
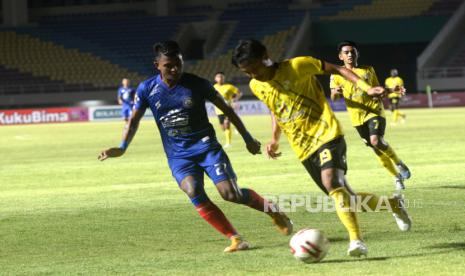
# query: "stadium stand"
443,7
40,58
384,9
273,26
82,50
90,51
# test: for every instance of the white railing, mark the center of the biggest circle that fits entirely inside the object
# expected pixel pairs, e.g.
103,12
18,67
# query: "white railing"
441,72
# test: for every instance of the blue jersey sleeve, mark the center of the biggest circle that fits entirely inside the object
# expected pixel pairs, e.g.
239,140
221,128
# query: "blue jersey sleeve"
140,101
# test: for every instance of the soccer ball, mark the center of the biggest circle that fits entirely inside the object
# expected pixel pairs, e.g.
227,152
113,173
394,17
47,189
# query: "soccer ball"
309,245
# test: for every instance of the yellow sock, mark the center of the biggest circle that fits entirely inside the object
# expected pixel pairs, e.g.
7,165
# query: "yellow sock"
389,152
347,216
372,201
395,115
387,163
228,135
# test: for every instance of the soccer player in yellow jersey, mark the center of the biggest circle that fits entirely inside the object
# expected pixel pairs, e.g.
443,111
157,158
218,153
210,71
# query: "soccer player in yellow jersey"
299,108
396,88
230,93
367,112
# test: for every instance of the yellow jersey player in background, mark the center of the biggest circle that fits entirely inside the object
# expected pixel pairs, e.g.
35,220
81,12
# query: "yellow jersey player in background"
299,108
367,112
396,88
231,94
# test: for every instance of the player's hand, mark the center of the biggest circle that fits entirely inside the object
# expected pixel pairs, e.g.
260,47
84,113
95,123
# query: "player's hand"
253,146
111,152
377,91
272,150
400,90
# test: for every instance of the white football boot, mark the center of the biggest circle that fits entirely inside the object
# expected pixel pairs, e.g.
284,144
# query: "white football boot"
403,220
357,248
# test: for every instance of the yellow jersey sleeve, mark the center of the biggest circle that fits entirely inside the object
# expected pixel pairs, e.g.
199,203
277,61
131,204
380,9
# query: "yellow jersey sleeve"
307,65
374,79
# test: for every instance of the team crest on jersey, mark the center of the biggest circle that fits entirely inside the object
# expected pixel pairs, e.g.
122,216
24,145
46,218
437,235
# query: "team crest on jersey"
188,102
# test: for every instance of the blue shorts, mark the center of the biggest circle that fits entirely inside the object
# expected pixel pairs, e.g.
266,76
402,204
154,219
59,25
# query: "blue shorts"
215,163
126,112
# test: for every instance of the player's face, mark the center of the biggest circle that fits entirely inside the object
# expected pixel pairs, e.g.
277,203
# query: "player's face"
125,82
219,78
170,67
348,55
256,69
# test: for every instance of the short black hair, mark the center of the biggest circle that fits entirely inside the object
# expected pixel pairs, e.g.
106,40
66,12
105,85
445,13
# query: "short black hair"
346,43
168,48
247,49
219,72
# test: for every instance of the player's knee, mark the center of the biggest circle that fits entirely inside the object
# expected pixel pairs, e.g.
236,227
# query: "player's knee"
332,179
378,143
191,188
231,196
375,141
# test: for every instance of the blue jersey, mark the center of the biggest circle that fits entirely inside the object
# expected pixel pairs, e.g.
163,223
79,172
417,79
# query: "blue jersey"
126,94
180,114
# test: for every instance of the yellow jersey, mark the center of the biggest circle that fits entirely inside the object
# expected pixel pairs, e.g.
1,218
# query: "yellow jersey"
360,106
391,83
227,91
297,100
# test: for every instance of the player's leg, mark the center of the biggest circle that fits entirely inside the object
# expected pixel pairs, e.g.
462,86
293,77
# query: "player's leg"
190,179
330,163
377,126
370,203
395,110
219,169
400,113
126,113
364,133
227,132
221,118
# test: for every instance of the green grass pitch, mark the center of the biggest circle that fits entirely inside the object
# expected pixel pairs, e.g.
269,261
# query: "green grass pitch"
63,212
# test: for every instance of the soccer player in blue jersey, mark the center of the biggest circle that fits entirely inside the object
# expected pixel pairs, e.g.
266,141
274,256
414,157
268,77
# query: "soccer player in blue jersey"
126,98
177,101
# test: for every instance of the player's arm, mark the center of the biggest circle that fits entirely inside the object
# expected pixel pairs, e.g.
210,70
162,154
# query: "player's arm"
376,91
400,89
336,93
253,146
120,100
129,132
273,146
237,95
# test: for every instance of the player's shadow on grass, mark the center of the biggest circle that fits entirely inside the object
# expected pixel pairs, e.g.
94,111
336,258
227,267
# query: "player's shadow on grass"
337,239
368,259
452,246
449,245
452,187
